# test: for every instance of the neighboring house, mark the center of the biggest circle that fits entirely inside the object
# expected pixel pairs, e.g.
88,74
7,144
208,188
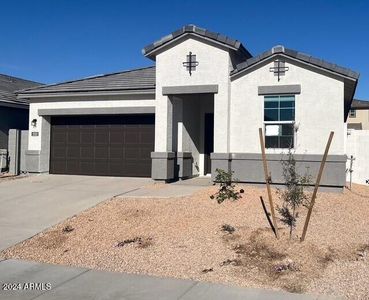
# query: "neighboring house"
359,115
13,112
198,109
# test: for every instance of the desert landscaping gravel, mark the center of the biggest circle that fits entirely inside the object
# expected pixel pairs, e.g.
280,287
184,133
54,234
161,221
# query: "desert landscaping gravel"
184,238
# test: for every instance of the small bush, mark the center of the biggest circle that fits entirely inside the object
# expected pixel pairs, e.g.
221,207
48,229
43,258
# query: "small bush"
140,242
67,229
228,228
227,189
294,196
207,270
128,241
232,262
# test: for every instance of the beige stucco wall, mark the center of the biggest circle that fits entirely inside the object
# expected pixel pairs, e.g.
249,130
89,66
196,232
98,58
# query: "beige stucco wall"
214,68
80,102
362,116
319,109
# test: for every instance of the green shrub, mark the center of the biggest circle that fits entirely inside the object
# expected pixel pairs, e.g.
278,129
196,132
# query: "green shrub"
227,188
294,196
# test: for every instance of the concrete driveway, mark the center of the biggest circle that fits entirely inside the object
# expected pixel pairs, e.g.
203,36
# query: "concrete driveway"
31,204
84,284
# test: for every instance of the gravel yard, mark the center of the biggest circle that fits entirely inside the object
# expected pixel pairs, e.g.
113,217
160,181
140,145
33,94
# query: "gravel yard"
183,238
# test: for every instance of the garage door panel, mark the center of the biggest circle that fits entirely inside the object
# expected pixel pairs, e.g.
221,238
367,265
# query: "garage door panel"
88,166
101,152
116,152
73,136
59,166
59,152
146,152
87,152
87,126
102,167
72,166
117,136
73,152
131,153
137,168
131,137
102,137
118,145
146,137
59,136
102,126
87,137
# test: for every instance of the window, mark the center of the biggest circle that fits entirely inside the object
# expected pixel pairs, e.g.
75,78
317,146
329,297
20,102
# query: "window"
279,119
352,113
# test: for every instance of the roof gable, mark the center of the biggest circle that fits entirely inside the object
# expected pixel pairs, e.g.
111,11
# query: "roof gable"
281,50
150,50
349,77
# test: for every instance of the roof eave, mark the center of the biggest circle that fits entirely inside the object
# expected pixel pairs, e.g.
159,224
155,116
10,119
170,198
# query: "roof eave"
70,93
347,108
14,105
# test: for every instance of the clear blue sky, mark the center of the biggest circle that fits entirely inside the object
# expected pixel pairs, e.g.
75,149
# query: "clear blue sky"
52,41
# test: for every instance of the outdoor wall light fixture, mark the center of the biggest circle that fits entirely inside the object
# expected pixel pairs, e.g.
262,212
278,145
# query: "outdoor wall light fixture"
34,123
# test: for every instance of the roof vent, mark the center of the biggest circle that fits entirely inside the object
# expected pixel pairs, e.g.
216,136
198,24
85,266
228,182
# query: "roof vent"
277,49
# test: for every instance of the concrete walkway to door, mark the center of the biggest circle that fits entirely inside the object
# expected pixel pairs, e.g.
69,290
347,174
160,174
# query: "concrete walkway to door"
31,204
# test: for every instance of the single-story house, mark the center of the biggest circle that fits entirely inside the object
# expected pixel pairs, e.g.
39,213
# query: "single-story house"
199,108
13,112
359,115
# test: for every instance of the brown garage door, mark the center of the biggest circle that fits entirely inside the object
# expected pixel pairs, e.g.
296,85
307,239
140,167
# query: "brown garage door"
118,145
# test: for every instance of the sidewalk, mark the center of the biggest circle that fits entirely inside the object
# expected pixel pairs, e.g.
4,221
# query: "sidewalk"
77,283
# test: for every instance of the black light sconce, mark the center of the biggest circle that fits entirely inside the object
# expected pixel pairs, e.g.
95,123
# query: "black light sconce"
34,123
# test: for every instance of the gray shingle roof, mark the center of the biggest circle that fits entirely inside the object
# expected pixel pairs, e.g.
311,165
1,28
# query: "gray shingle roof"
138,79
10,84
298,55
359,104
201,32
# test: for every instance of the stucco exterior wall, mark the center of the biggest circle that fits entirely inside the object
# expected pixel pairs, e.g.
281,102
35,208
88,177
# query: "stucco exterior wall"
80,102
319,109
357,146
213,68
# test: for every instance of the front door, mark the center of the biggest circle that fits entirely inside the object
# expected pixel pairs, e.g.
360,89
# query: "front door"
209,141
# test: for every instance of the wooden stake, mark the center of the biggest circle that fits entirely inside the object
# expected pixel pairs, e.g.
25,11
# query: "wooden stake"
267,214
267,181
313,197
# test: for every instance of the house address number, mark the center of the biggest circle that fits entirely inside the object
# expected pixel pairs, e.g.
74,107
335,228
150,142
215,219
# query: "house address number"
34,133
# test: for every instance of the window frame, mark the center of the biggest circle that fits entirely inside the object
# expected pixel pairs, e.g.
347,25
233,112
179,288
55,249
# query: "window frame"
292,122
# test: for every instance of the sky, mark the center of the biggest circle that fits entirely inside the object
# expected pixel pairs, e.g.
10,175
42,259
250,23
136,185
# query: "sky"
53,41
